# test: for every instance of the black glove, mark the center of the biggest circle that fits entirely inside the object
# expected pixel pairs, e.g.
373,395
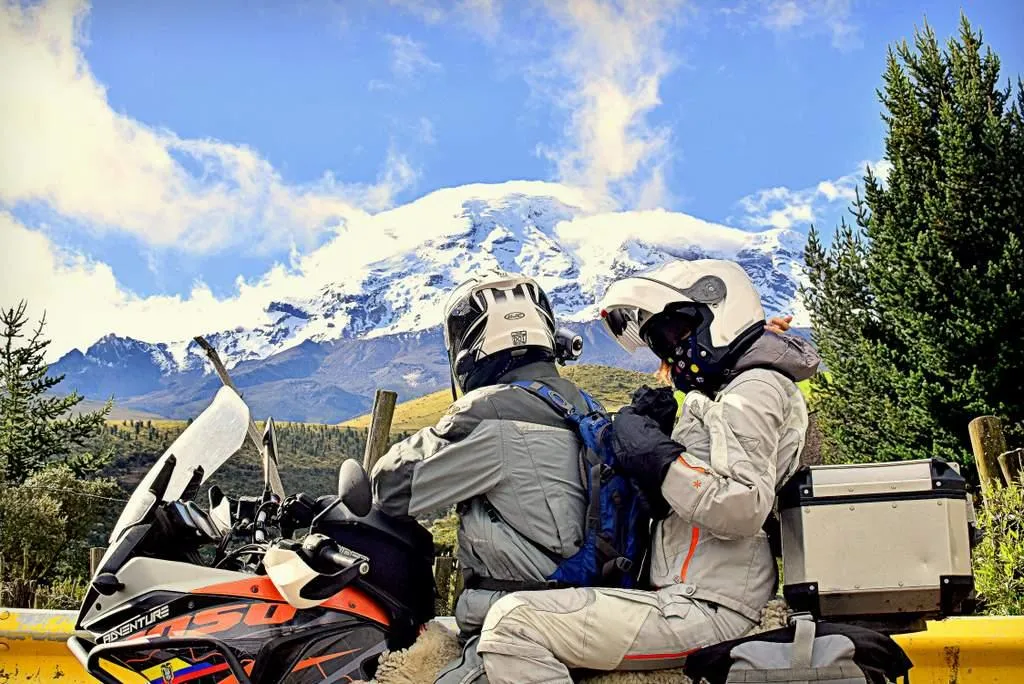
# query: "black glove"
642,450
653,504
659,404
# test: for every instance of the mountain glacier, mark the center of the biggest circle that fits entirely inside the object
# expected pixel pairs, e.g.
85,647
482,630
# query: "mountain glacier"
367,313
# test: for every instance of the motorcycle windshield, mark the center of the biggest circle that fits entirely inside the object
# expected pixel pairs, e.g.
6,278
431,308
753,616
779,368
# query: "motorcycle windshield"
209,441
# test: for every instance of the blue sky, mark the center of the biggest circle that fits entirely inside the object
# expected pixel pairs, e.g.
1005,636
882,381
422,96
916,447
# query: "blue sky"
161,151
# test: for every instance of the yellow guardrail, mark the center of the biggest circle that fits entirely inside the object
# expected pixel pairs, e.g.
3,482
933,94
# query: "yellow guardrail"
33,648
962,650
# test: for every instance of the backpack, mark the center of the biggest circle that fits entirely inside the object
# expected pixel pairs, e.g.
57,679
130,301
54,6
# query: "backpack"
615,533
802,653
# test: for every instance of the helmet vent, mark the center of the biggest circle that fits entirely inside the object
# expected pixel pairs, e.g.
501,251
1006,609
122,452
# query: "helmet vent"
707,290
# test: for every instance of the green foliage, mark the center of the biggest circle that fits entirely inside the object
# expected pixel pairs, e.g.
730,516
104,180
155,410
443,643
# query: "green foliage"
446,534
47,521
35,428
310,455
916,308
66,593
48,512
999,558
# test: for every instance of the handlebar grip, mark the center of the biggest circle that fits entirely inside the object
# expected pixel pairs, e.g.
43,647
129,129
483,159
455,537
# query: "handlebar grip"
343,561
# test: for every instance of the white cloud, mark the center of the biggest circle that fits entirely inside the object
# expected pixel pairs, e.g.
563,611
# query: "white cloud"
83,300
425,131
830,16
378,84
484,16
782,207
427,10
606,73
62,144
408,57
784,15
481,16
602,62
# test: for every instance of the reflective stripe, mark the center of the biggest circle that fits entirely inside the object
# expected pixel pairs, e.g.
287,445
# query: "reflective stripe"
659,656
694,539
682,461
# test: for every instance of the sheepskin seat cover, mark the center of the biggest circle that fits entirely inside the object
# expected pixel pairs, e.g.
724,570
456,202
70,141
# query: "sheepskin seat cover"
437,646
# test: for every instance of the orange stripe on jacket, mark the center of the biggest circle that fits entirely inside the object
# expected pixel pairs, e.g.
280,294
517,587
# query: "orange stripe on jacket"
682,461
694,539
659,656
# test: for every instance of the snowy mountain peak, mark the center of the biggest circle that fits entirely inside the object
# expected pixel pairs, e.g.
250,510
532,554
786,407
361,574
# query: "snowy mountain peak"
391,272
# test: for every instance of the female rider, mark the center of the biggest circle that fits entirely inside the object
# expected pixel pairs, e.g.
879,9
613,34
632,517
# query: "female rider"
737,440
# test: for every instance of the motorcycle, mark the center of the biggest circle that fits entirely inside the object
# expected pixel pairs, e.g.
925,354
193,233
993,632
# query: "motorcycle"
255,589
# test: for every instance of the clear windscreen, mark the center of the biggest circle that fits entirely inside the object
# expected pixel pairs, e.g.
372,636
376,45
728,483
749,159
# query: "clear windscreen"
209,441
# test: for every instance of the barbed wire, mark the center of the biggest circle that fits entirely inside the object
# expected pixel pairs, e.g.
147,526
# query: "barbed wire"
72,491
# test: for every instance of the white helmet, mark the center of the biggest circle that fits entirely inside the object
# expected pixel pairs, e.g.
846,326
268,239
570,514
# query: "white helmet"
493,323
698,316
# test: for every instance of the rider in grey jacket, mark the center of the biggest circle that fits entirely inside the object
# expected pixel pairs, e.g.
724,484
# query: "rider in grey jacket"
500,453
736,442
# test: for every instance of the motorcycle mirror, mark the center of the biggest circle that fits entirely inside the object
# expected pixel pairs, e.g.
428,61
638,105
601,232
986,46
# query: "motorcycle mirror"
354,488
163,478
220,509
271,475
192,488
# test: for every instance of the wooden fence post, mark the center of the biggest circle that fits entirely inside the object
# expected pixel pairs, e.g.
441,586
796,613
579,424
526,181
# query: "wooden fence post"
1011,464
380,427
95,556
460,584
444,566
988,444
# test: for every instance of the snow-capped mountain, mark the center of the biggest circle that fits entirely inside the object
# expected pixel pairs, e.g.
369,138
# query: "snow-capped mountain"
373,297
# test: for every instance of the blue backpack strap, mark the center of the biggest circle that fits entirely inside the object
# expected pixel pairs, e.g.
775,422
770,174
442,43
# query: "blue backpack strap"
593,405
556,400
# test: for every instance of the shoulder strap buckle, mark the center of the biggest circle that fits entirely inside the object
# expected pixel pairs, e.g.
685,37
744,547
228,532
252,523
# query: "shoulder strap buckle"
556,400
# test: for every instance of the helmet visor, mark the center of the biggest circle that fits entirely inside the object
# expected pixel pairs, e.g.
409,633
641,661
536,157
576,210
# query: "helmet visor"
666,333
462,318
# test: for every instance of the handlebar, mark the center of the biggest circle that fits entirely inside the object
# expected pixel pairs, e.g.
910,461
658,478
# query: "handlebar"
342,559
259,533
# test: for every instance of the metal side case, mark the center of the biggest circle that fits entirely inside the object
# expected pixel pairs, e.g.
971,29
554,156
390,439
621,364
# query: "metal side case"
877,542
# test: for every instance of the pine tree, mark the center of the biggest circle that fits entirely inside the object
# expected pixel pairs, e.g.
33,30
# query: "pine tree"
36,429
917,307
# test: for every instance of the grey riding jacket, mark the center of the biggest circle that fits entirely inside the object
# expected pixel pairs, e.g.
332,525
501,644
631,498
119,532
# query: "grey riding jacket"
512,465
741,445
